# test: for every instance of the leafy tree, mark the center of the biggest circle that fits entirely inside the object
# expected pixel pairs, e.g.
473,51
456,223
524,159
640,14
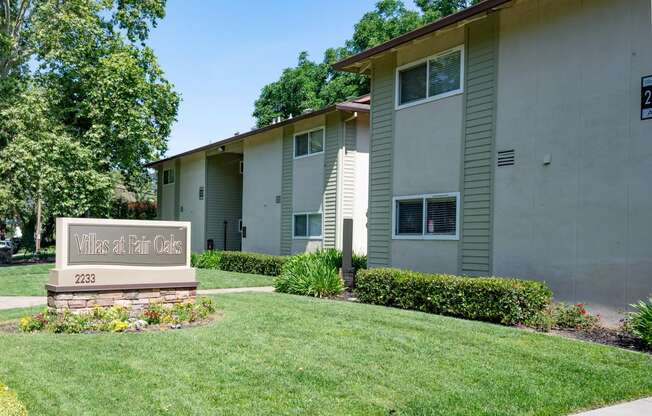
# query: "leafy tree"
45,163
388,20
100,91
435,9
313,85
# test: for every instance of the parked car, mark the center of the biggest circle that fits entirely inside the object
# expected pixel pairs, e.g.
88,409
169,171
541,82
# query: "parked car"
16,242
6,251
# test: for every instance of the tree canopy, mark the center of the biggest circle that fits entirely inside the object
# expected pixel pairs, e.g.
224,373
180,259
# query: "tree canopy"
82,97
312,85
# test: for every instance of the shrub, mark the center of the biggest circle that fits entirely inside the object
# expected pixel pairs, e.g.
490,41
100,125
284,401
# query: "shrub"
311,274
254,263
206,260
359,261
491,299
573,317
9,403
640,321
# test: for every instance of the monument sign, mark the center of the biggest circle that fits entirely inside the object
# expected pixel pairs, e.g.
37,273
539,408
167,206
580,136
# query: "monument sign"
128,262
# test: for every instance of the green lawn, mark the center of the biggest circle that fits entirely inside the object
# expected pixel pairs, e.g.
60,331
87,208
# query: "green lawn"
30,280
280,354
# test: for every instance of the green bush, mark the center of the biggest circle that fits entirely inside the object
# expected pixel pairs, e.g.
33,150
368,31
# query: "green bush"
9,403
640,321
359,261
311,274
491,299
573,317
206,260
254,263
563,316
237,261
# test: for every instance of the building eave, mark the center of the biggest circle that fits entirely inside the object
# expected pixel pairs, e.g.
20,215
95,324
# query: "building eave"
359,63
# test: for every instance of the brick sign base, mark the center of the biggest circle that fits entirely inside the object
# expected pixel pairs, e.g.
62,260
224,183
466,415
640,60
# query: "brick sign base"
135,299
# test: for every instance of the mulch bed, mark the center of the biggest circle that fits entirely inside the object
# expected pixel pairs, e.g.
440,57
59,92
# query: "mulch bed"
607,336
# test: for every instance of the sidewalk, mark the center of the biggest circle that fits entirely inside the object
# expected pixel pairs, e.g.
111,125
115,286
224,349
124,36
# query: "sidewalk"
13,302
641,407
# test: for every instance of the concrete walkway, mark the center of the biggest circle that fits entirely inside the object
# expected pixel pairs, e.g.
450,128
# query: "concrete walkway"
641,407
13,302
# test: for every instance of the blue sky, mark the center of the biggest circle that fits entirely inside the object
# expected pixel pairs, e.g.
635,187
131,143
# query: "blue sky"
219,54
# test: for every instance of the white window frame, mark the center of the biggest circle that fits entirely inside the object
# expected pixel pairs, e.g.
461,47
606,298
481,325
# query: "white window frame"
307,214
294,143
428,98
424,235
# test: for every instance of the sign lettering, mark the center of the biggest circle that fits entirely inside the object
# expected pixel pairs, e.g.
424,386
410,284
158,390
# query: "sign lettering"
127,245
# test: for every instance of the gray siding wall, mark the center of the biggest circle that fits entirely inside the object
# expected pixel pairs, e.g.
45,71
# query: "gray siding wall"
223,199
261,212
380,162
286,190
332,145
570,81
479,132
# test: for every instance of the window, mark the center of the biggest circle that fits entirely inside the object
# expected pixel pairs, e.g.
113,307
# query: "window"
307,225
168,176
309,143
432,78
434,217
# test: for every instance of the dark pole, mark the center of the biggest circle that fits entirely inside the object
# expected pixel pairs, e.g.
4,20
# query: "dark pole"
225,224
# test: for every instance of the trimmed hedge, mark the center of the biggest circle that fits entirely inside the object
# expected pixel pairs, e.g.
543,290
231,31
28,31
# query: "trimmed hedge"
491,299
238,261
255,263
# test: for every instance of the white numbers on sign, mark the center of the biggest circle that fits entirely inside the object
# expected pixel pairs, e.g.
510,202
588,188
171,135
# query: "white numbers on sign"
648,97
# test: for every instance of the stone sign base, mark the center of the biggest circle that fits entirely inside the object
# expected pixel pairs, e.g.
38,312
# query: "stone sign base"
136,299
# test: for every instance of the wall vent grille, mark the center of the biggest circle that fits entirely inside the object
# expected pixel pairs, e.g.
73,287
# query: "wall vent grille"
506,158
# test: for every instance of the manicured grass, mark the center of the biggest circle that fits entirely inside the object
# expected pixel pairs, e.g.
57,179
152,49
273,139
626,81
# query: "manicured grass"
24,280
30,280
11,314
280,354
218,279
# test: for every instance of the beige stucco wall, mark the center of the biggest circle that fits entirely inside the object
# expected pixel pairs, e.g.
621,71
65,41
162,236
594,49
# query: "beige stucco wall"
569,87
261,214
308,185
427,159
193,176
167,198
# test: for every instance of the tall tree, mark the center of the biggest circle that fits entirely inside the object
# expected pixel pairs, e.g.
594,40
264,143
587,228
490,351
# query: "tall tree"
296,91
101,89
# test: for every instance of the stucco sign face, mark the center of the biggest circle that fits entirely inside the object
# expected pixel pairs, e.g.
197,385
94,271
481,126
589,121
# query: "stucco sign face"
127,245
646,98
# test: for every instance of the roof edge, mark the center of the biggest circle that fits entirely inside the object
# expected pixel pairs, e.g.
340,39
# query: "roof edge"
417,33
343,106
